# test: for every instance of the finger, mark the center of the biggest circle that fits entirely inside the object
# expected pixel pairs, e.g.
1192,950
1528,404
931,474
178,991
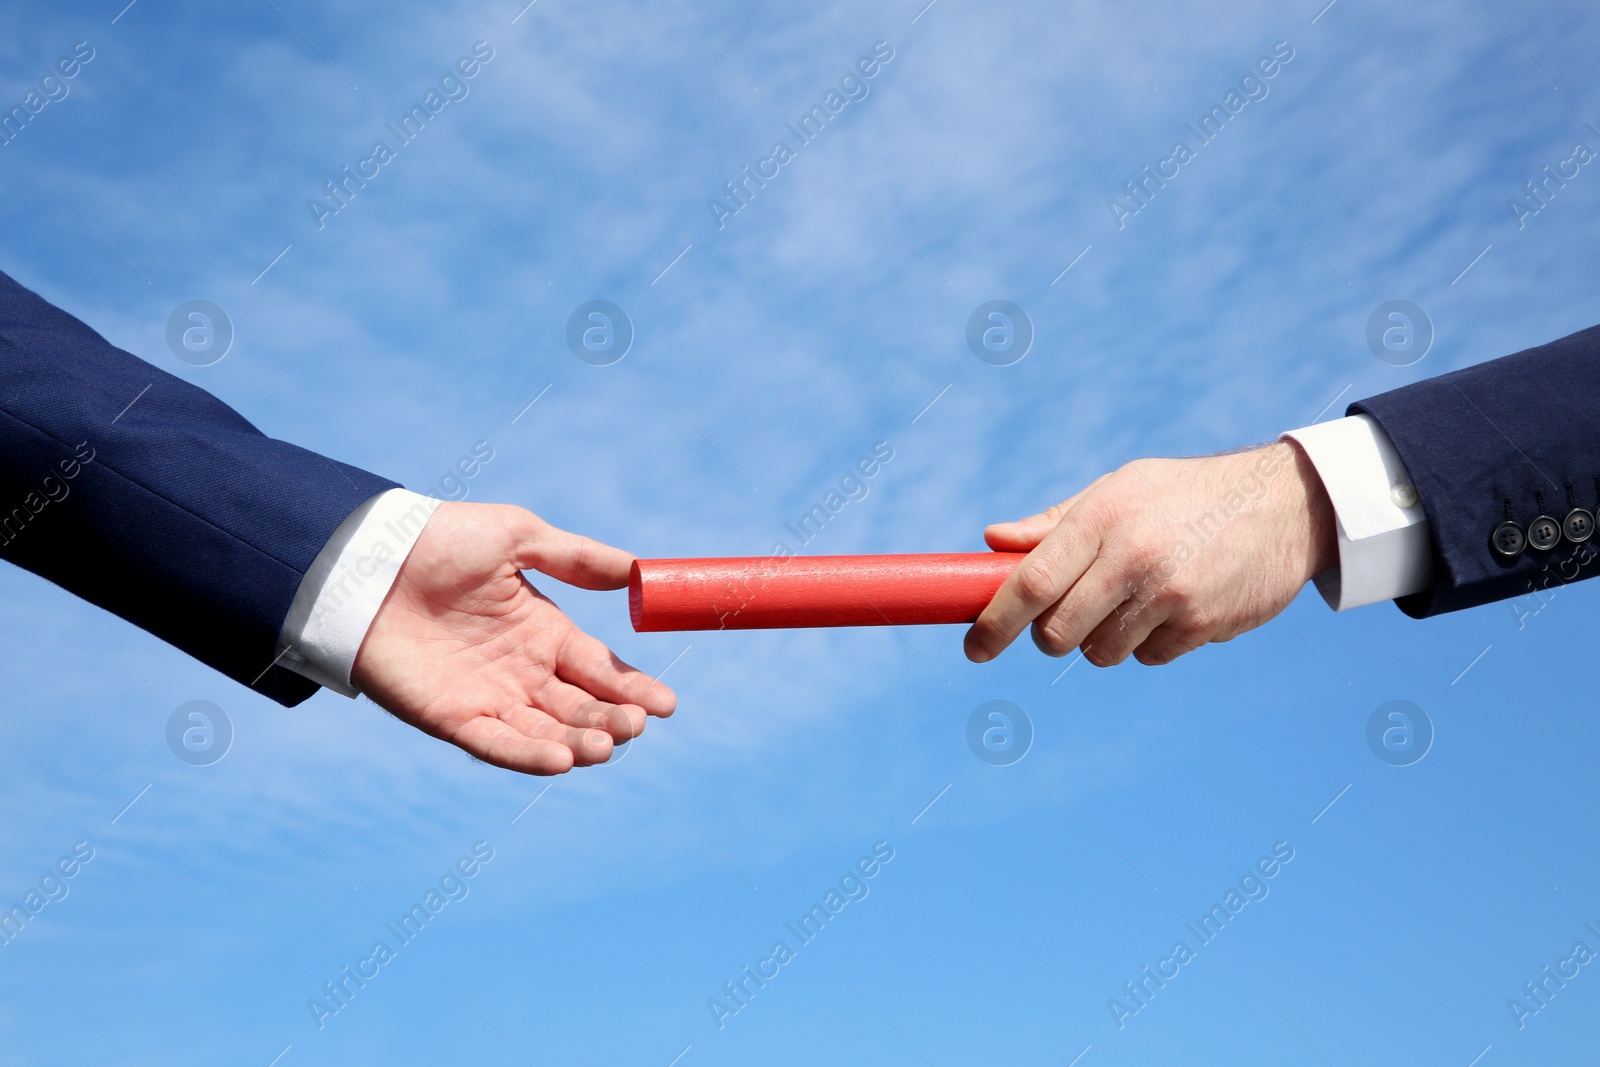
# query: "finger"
1040,580
587,744
1062,626
1166,643
587,663
1024,534
498,743
1125,629
573,706
584,731
567,557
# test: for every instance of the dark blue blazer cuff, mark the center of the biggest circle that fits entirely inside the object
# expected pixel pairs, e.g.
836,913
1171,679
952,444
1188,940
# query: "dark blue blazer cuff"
1510,440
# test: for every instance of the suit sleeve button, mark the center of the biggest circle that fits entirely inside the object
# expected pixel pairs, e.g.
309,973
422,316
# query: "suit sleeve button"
1578,526
1543,533
1507,540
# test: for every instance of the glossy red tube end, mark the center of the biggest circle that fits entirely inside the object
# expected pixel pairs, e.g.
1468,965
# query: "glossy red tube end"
770,592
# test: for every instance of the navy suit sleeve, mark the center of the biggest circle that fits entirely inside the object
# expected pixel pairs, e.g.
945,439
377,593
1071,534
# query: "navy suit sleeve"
1505,441
155,500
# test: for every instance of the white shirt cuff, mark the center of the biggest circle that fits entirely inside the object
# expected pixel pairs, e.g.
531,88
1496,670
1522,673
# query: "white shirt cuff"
345,585
1384,550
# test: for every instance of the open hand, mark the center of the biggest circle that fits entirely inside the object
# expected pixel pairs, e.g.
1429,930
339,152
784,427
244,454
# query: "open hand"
465,649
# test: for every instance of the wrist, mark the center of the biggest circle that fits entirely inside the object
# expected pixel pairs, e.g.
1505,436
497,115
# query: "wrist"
1310,512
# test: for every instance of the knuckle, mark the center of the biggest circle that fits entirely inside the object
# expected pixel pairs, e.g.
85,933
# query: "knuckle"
1107,509
1184,639
1165,596
1138,556
1157,595
1036,581
1175,600
1102,589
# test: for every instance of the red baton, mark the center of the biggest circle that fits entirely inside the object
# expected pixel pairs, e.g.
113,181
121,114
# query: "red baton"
773,592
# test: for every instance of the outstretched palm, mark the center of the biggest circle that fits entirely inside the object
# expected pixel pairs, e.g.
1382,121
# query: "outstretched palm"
464,648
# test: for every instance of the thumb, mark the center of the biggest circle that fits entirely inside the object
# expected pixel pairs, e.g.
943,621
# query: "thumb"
565,556
1025,534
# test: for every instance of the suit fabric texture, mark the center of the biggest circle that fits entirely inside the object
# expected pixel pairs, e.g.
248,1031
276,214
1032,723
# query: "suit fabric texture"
155,500
1511,443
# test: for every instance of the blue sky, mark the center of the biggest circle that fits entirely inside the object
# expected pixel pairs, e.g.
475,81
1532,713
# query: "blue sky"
822,318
